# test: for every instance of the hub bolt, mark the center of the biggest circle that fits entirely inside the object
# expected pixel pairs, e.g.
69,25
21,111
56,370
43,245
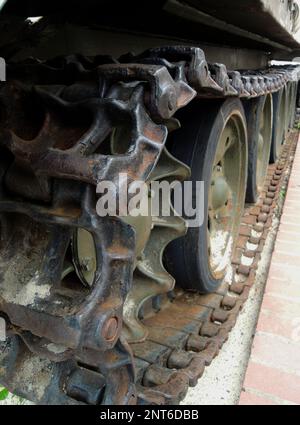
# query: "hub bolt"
110,329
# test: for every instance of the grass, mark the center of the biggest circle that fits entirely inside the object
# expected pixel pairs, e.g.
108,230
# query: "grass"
4,393
282,194
297,125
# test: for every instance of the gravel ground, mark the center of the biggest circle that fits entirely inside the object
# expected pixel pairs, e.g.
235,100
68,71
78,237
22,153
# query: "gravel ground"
14,400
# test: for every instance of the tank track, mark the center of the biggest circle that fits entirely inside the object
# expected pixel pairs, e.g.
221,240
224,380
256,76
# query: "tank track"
64,346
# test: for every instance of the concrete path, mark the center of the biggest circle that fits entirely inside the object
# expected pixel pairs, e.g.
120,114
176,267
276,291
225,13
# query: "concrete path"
273,375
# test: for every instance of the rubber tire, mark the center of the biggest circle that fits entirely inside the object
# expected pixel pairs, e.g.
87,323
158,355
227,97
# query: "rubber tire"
278,121
253,109
195,144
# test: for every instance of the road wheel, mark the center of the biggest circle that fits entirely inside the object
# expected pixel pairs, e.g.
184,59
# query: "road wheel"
213,143
279,123
293,104
259,113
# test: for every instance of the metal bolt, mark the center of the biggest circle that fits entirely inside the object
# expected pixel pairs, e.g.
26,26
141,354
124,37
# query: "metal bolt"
110,329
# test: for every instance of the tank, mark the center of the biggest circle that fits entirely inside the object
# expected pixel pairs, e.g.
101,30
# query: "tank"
136,143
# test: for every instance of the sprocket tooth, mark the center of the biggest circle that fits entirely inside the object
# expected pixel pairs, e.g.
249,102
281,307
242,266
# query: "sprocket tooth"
178,224
151,279
151,264
144,288
169,167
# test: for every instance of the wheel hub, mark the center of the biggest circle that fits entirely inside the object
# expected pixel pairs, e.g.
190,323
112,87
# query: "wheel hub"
225,196
220,190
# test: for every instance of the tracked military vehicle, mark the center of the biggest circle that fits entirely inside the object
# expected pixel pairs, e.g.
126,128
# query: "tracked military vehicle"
126,310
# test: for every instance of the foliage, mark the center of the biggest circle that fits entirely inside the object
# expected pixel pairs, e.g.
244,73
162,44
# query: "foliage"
3,394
